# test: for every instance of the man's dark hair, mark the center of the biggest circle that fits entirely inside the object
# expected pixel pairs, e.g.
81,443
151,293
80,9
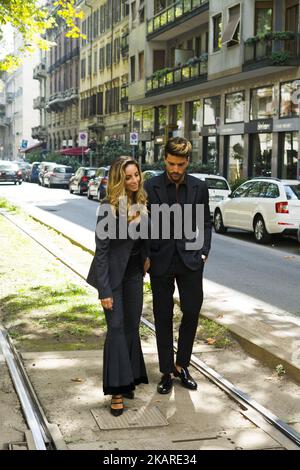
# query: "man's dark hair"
178,146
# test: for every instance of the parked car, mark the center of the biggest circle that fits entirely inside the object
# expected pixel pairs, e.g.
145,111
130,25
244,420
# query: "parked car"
264,206
34,172
44,167
148,174
79,181
59,175
10,172
218,189
97,186
25,167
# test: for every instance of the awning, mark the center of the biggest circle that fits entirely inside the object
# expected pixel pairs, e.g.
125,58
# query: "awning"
32,147
73,151
231,27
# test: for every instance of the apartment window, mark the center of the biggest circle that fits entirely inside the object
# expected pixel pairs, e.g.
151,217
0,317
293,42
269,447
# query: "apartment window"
117,50
83,68
142,11
148,119
196,116
217,32
262,103
100,103
117,10
125,8
231,35
141,66
287,107
133,11
162,119
108,55
101,58
198,46
263,17
211,110
234,107
132,68
95,61
89,65
102,19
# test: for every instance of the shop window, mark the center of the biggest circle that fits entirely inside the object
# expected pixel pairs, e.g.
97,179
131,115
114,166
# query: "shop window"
288,106
261,153
211,110
262,103
234,107
288,159
235,152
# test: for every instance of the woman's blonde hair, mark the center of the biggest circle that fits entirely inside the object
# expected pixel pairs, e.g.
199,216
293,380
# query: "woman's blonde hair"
116,184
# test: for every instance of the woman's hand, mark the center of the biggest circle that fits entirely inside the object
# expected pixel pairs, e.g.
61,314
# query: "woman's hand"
146,265
107,303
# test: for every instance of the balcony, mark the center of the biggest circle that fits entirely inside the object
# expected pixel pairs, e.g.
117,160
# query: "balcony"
39,102
71,95
179,77
39,72
39,133
180,17
273,49
9,97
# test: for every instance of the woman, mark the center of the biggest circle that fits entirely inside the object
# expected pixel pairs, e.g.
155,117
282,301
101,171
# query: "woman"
117,272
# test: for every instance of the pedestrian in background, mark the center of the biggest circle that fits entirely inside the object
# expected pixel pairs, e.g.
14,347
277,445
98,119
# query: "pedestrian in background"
171,260
117,272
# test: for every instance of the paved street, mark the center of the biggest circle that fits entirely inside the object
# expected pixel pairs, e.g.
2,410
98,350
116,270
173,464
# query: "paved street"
268,273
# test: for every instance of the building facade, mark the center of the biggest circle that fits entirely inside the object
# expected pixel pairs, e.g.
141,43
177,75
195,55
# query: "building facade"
103,85
223,74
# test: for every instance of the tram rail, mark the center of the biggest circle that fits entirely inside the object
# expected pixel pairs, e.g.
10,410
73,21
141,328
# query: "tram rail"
255,412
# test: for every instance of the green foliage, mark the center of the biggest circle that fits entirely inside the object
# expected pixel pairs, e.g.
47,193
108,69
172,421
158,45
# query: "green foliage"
214,334
236,183
280,57
271,35
108,151
280,370
31,20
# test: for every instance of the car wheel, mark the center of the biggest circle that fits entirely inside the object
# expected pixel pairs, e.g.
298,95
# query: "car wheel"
20,182
218,223
71,190
89,194
15,182
260,232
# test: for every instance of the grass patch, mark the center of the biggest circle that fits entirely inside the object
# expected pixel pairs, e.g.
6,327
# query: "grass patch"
5,204
213,333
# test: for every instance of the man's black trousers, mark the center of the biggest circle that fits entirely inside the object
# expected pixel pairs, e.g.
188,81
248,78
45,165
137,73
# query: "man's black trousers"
191,297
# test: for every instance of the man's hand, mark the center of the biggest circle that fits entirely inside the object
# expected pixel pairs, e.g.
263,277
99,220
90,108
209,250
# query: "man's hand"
146,265
107,303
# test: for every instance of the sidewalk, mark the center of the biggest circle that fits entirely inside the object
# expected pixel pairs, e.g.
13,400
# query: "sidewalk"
266,332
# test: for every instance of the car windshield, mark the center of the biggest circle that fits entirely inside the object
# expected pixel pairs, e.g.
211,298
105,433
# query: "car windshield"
63,169
214,183
90,172
292,191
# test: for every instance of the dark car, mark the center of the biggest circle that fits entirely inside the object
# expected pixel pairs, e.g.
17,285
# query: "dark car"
10,173
97,186
79,181
25,167
34,172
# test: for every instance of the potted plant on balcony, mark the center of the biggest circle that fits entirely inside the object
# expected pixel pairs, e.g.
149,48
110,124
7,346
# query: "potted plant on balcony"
280,57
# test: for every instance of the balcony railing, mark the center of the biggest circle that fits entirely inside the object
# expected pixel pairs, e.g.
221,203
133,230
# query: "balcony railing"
272,51
177,77
39,132
39,102
39,71
173,13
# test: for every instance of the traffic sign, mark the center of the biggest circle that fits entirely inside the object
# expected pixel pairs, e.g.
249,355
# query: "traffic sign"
134,138
83,139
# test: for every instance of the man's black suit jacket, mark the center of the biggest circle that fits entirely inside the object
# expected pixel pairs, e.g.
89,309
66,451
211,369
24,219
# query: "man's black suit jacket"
162,251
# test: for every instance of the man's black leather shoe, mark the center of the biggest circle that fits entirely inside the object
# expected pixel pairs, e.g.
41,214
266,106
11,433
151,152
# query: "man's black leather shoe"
165,385
186,379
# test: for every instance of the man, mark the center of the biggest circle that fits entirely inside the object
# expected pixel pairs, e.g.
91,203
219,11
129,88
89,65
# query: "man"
172,260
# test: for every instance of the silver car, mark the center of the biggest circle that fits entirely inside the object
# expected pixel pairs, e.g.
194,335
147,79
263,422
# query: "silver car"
58,175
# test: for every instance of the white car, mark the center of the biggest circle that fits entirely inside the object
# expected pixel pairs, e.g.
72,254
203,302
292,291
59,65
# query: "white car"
264,206
218,189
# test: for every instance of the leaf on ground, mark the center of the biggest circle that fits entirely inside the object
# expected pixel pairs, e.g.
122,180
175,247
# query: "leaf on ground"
289,257
78,380
210,341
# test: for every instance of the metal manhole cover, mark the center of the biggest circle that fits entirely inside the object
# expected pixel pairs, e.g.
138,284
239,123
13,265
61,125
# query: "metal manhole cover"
143,417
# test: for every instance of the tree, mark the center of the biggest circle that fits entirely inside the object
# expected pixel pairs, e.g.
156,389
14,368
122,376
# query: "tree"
31,19
113,148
